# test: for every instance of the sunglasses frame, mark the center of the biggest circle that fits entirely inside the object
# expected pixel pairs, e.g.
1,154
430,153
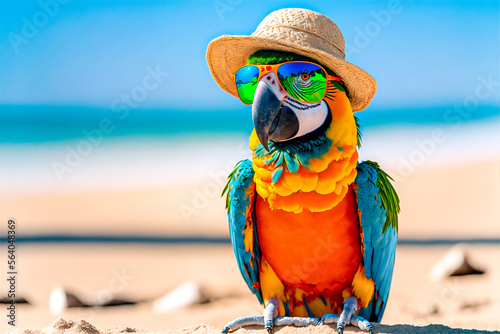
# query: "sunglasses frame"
266,68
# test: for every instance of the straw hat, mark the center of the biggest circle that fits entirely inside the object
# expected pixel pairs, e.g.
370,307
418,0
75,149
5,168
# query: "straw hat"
296,30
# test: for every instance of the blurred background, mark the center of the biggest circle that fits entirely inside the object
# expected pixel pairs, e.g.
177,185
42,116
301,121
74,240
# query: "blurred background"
115,144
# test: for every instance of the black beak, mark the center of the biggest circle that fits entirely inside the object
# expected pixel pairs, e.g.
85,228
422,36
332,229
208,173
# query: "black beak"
272,120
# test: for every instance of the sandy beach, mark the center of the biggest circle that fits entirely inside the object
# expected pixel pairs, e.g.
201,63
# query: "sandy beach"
455,201
434,206
135,272
117,136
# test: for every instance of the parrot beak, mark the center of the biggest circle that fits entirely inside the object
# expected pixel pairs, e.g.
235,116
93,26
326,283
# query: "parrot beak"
272,120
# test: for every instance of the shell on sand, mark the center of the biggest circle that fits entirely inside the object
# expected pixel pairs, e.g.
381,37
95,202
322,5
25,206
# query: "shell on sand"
186,294
454,263
60,300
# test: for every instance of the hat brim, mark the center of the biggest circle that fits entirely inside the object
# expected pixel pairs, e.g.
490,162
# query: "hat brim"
227,53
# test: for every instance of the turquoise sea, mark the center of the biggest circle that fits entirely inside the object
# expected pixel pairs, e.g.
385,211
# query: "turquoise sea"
36,124
69,148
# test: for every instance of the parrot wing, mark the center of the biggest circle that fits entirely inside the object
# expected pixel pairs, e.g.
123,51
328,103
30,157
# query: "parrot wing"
240,203
378,206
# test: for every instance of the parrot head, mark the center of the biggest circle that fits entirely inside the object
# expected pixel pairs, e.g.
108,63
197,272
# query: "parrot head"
280,118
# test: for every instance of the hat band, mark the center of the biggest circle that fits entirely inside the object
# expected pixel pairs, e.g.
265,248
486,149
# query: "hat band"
306,31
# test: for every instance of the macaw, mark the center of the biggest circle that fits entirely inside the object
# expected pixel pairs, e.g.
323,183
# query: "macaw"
313,230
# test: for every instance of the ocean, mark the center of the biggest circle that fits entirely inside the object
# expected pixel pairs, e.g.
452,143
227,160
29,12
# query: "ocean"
69,148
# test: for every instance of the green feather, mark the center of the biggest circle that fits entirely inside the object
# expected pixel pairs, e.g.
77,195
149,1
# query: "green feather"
359,135
229,180
388,196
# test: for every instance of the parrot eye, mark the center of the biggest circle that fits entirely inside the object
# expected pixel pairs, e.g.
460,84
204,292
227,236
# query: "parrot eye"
305,76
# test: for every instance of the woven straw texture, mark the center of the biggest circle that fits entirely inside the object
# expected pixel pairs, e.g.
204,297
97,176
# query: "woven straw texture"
296,30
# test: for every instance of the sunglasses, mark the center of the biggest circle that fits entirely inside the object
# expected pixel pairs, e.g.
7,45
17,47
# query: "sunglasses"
303,81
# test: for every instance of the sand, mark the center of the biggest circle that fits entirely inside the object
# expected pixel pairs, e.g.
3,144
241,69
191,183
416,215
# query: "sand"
458,202
447,202
137,272
82,326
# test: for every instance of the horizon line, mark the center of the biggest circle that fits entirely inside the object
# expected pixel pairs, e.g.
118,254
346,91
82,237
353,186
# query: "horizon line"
149,239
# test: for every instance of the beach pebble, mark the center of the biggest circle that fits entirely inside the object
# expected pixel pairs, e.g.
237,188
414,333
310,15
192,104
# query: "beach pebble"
188,293
60,300
455,262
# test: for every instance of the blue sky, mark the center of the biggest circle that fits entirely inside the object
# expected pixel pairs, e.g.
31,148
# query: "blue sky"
89,53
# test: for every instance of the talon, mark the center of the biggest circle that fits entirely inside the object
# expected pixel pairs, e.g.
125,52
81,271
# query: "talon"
270,330
340,330
225,330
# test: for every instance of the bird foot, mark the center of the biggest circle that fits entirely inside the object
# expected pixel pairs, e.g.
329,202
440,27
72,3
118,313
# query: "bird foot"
242,322
269,319
356,321
278,321
347,317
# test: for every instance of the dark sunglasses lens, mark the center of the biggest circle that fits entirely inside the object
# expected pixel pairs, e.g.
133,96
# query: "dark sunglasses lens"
246,83
304,82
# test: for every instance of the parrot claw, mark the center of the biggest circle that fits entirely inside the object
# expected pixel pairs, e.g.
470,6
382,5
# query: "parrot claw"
347,317
296,321
243,321
266,320
362,323
270,319
277,321
329,319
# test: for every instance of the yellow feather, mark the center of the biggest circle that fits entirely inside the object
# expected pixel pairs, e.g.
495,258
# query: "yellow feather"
254,141
293,180
362,287
310,182
261,188
282,189
270,284
262,173
318,165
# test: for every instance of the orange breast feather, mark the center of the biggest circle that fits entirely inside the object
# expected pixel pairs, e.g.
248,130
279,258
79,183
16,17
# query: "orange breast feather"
313,251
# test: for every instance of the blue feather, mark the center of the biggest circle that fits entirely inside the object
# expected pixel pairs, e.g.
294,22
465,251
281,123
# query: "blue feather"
277,174
379,242
240,205
291,163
